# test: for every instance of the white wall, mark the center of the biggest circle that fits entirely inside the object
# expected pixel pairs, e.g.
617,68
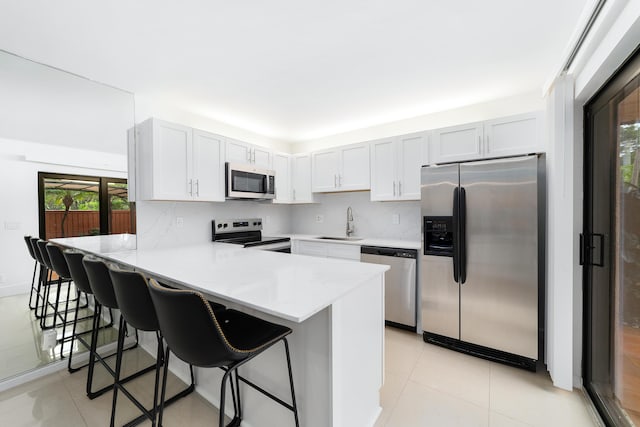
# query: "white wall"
520,103
20,163
147,107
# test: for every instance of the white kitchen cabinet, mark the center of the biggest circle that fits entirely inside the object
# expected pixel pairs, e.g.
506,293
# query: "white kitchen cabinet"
175,162
510,136
208,166
506,136
457,143
282,167
341,169
395,167
327,250
243,152
301,178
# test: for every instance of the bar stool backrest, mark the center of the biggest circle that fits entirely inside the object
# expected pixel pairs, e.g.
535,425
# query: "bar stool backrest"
100,281
132,294
190,328
27,240
58,262
36,250
42,247
77,271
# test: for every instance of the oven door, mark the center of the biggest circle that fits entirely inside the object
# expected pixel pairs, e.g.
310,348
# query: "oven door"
248,182
284,247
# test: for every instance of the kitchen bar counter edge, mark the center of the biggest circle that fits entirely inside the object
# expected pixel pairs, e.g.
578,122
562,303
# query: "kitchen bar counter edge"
335,308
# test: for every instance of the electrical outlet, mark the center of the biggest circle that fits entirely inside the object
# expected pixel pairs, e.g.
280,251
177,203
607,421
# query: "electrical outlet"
319,218
179,222
395,219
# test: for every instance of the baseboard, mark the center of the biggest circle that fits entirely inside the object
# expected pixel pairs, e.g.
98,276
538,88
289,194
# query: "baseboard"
11,290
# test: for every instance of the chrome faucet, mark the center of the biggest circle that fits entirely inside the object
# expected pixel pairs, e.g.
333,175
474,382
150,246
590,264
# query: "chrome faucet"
350,228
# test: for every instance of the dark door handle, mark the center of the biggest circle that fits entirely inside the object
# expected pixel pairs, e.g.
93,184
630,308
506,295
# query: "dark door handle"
587,246
456,245
463,235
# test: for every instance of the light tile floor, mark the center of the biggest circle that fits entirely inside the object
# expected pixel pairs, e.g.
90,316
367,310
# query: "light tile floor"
425,386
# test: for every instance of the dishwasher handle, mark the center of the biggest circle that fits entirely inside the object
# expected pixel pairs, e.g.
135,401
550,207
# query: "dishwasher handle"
393,252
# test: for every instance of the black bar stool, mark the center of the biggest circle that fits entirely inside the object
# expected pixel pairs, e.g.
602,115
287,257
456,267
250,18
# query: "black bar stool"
100,282
79,276
226,338
42,247
43,282
136,309
61,268
32,305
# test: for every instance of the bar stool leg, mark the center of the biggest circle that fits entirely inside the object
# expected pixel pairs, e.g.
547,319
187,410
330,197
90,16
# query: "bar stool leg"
33,280
73,337
118,367
293,393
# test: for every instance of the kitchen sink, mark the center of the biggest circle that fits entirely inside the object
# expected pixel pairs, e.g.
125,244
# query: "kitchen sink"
352,239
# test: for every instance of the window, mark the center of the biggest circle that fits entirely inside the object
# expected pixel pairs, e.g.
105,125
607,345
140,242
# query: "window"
74,205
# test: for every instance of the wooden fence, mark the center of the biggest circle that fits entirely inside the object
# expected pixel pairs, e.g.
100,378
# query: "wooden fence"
84,223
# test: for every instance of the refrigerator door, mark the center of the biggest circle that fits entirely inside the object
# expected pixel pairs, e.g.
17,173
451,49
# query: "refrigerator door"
440,295
499,299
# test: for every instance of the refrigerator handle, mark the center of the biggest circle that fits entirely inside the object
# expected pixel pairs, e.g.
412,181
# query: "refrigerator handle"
456,245
462,239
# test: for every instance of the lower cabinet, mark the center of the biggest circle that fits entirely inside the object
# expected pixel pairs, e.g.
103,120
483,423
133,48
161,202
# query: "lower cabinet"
326,250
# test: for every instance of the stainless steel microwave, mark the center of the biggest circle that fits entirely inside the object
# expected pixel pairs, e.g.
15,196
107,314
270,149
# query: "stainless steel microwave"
249,182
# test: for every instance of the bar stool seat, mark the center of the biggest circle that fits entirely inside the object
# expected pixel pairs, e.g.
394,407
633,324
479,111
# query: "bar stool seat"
226,338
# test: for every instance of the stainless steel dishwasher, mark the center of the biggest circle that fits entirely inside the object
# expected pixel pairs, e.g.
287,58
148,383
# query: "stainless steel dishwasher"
400,283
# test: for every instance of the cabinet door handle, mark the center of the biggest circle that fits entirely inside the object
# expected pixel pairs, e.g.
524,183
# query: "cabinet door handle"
394,189
294,194
486,144
335,180
399,188
254,156
191,187
249,155
479,144
339,180
198,187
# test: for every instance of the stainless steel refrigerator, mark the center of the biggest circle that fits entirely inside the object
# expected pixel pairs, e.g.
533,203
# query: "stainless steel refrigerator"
482,255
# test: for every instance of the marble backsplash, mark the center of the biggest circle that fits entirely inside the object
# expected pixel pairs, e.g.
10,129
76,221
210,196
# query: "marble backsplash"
370,219
158,225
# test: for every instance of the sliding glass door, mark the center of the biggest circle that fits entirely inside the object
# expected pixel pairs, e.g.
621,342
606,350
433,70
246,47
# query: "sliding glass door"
611,248
73,205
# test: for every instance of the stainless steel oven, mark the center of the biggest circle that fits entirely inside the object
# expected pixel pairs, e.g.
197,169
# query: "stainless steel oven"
248,182
248,233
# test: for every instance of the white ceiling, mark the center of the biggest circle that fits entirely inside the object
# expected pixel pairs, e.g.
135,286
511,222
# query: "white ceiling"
295,69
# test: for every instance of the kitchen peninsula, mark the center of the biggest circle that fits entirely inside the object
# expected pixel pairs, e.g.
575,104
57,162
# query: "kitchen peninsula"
334,307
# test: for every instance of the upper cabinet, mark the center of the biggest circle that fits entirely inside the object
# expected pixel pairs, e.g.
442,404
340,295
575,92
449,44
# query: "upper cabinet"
175,162
395,167
293,178
508,136
243,152
341,169
301,178
282,167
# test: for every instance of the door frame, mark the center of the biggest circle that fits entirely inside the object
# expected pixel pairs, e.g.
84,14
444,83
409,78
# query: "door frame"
103,197
627,72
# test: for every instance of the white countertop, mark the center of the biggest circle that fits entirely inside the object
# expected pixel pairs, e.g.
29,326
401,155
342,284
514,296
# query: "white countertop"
365,241
292,287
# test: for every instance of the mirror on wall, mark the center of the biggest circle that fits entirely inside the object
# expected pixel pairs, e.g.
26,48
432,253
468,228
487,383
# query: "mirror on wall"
63,138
